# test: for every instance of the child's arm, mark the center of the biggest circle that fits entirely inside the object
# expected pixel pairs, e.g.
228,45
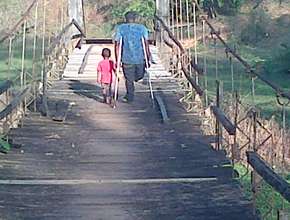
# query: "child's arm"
99,78
99,74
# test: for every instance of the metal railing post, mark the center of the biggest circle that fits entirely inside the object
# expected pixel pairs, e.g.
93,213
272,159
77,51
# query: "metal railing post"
9,57
34,77
23,72
181,20
195,41
176,16
22,76
205,64
253,173
217,127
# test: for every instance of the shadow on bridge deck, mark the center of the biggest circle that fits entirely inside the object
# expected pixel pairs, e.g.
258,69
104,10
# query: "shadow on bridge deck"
123,163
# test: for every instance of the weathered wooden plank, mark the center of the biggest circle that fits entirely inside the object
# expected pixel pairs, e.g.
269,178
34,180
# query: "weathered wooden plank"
103,181
161,106
222,118
268,174
125,201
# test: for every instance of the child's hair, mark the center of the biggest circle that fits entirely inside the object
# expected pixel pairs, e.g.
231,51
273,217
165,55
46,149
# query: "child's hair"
106,53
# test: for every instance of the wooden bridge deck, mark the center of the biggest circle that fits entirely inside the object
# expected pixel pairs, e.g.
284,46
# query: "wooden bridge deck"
123,163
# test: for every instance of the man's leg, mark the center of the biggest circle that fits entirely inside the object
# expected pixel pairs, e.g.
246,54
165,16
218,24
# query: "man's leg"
139,72
129,73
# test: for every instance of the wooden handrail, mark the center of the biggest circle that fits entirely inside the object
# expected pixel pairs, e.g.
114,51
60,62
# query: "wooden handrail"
75,23
196,87
19,23
170,34
192,81
268,174
223,119
14,103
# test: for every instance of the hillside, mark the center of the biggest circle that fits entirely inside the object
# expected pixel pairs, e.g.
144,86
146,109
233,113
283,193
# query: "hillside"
263,35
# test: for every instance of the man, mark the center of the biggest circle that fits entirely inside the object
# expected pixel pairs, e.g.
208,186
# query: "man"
133,58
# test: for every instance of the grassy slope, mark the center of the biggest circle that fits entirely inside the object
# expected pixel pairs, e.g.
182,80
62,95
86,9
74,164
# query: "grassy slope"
17,60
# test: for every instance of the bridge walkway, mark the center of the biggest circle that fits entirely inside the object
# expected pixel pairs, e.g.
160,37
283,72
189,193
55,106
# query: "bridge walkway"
122,163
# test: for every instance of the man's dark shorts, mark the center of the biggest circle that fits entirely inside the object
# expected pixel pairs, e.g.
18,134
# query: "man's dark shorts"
134,72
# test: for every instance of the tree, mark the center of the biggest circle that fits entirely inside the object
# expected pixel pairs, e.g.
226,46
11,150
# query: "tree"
222,6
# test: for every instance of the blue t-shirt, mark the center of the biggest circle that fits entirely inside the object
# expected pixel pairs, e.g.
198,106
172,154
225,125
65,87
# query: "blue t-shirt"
131,33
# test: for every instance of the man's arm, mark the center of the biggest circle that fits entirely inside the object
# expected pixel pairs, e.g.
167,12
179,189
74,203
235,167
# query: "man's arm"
146,42
116,47
117,38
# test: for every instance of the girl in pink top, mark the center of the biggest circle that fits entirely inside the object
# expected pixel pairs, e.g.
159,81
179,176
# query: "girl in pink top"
105,75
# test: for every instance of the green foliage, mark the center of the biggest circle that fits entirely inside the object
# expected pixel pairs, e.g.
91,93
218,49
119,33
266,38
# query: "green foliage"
267,197
226,7
4,145
146,8
9,8
233,3
256,29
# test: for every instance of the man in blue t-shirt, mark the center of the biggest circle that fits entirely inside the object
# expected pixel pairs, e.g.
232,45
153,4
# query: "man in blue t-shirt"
133,58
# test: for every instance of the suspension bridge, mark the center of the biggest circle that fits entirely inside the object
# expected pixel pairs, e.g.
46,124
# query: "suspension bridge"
69,156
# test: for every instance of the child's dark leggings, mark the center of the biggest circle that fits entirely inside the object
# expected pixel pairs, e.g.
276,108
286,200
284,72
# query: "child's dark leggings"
106,89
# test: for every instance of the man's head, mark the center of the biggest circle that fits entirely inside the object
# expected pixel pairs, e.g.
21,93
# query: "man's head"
131,17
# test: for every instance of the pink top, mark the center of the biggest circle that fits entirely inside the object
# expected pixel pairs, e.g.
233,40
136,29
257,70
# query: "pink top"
105,71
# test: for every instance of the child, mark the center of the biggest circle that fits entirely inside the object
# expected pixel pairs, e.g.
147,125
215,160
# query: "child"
105,75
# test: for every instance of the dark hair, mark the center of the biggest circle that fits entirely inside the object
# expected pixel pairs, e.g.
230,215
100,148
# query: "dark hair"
106,52
131,15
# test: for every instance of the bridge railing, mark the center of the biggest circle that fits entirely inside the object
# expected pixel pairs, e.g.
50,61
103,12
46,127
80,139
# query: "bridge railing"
34,53
56,57
240,106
